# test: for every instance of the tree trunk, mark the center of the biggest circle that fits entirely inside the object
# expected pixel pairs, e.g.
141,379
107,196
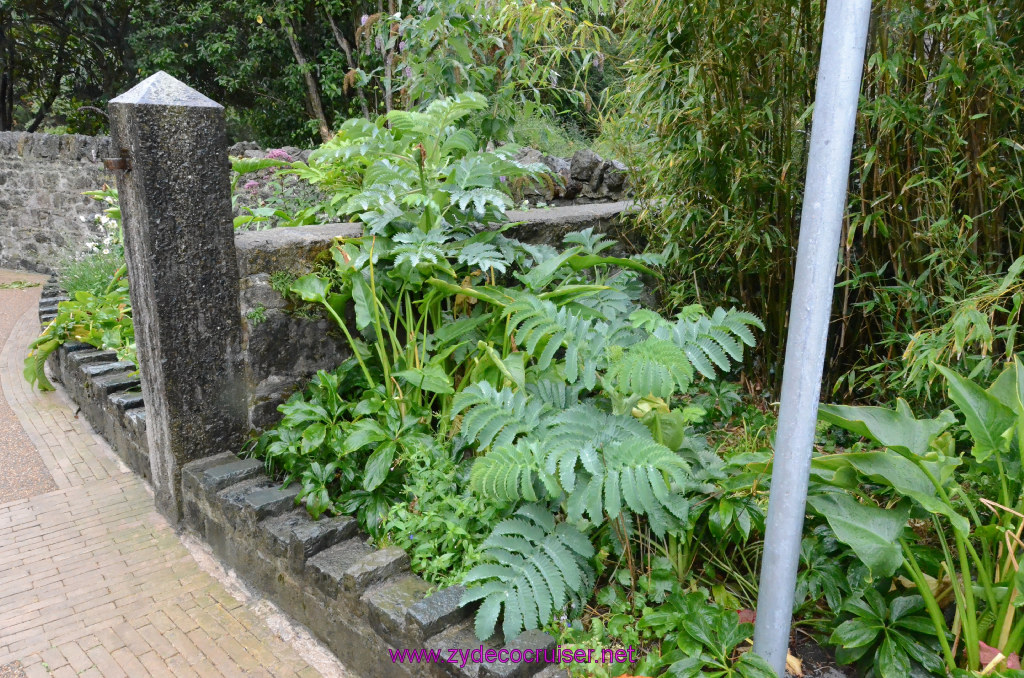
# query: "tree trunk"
6,73
312,91
58,76
347,49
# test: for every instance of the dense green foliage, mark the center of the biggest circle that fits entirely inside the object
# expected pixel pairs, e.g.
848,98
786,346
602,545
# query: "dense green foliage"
103,320
290,71
511,414
969,505
715,114
58,55
521,380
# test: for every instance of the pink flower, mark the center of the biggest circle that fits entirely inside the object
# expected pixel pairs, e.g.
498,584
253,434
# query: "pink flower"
251,185
279,154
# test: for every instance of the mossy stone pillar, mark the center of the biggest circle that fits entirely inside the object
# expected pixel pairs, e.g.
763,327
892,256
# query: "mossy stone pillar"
175,197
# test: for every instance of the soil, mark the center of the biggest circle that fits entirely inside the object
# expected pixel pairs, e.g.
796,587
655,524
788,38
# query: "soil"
817,661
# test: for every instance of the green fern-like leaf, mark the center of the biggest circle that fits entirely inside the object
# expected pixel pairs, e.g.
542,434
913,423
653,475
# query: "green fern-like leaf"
508,474
652,367
557,394
533,568
541,328
637,475
484,256
710,342
416,247
577,435
495,417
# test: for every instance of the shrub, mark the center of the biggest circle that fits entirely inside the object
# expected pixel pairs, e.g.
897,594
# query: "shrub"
714,116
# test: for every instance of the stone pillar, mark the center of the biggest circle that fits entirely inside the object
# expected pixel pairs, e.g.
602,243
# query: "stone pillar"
175,199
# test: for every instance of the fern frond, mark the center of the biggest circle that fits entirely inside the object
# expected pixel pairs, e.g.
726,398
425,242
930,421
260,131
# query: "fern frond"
710,342
530,577
575,436
638,475
541,328
507,474
495,417
652,367
557,394
593,243
484,256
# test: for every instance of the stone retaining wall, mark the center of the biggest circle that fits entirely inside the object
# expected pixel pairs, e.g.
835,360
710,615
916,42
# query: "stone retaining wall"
359,600
42,177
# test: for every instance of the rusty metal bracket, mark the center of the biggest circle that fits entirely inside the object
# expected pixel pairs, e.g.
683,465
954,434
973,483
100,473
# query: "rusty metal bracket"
118,164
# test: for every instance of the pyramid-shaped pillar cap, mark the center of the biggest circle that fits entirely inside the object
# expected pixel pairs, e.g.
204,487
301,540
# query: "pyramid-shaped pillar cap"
161,89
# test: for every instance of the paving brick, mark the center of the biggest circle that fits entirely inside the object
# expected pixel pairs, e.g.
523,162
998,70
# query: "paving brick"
93,581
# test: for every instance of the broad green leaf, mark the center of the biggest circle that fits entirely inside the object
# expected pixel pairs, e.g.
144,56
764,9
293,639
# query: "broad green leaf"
855,633
540,275
377,466
899,473
891,661
362,296
313,437
248,165
752,665
430,378
985,417
871,532
668,428
1019,408
311,288
513,368
581,261
364,432
895,429
1004,388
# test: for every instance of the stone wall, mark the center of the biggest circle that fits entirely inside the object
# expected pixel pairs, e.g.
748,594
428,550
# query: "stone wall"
280,348
42,177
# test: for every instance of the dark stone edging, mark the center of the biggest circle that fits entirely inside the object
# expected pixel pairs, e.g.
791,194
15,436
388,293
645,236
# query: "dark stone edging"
357,599
106,390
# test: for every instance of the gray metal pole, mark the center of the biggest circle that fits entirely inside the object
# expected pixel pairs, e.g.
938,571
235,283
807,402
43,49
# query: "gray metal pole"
828,168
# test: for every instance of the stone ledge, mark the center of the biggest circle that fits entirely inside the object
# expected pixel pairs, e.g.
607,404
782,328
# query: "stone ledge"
359,600
106,392
279,249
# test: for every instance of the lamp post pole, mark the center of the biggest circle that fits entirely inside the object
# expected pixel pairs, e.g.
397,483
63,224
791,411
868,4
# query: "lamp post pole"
828,168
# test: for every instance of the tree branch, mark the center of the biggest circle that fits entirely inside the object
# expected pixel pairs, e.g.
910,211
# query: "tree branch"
347,49
312,91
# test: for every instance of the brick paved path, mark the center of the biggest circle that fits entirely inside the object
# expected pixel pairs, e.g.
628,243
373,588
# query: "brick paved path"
94,582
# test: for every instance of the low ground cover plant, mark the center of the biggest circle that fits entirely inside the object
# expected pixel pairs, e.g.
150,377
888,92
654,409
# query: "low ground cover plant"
99,310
